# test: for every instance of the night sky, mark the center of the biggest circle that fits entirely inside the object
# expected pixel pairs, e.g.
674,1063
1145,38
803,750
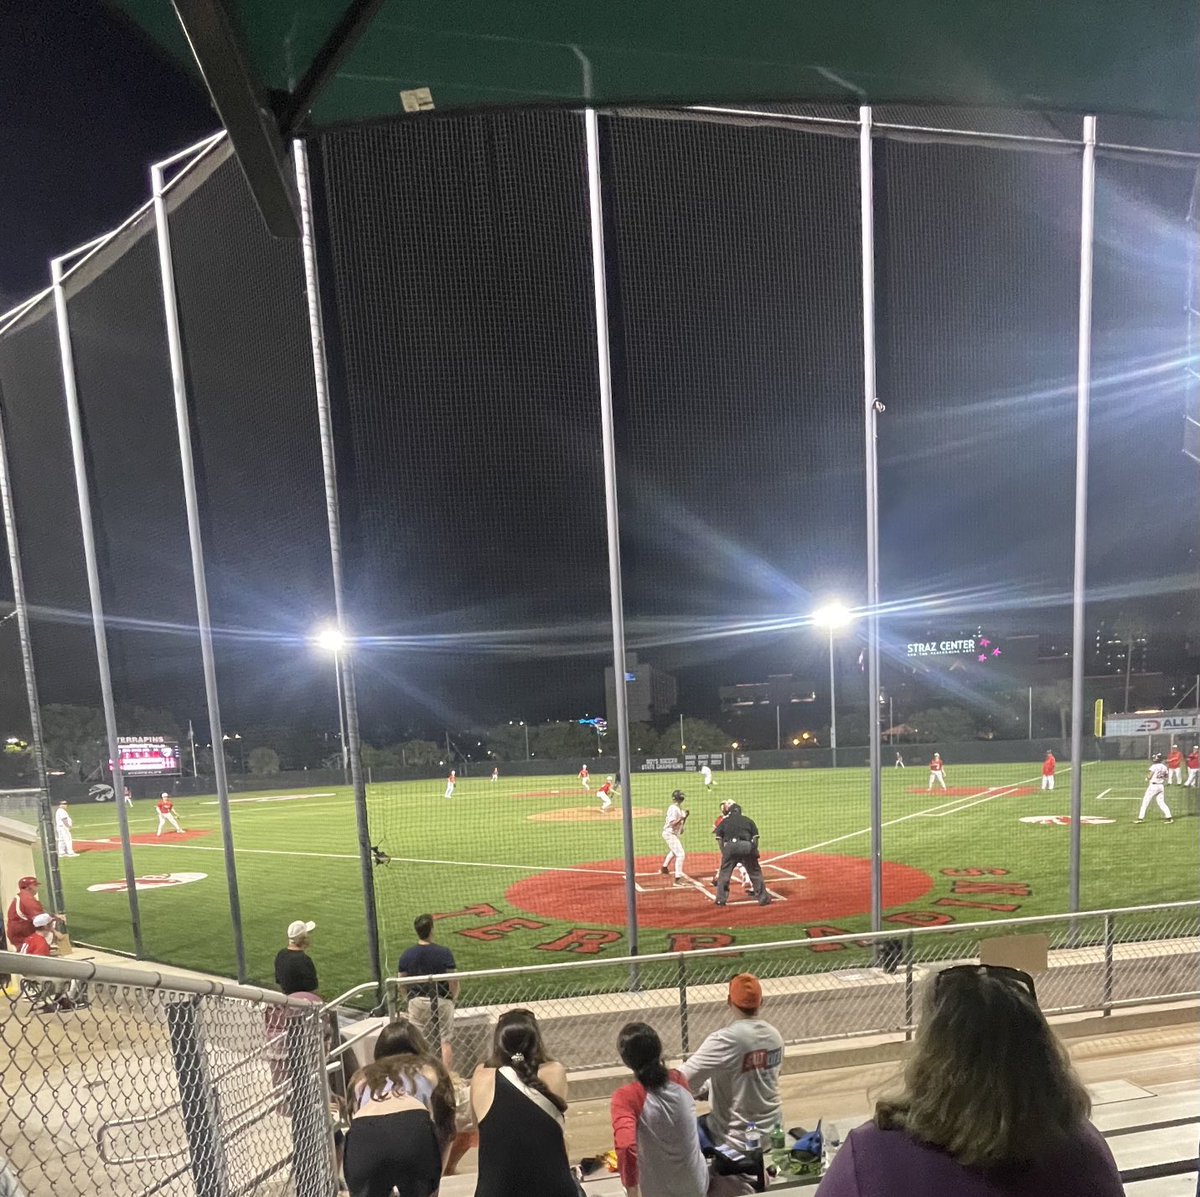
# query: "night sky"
462,346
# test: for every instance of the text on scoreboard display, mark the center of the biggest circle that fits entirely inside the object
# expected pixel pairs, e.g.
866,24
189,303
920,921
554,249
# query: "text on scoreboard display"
148,755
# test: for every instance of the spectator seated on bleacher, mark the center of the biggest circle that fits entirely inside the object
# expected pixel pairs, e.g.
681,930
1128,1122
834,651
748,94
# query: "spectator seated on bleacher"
654,1123
990,1105
740,1065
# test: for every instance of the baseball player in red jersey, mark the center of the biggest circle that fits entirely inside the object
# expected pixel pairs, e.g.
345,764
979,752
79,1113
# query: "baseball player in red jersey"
584,778
38,942
606,792
1193,763
166,813
451,782
1048,771
22,910
1174,766
937,772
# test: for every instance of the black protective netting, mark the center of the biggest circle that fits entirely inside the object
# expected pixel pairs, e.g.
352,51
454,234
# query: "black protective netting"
461,282
978,277
123,379
736,276
254,427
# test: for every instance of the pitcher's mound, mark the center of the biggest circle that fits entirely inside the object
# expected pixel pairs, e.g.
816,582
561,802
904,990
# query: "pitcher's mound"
589,814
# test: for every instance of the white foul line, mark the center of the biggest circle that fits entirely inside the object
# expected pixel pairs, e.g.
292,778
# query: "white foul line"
902,819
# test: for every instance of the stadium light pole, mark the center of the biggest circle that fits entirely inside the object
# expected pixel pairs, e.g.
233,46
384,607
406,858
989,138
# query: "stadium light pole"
831,617
332,639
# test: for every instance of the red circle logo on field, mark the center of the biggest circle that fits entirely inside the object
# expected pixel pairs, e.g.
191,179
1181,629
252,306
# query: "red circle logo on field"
805,888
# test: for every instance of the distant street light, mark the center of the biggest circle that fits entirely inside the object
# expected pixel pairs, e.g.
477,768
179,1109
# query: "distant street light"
332,639
831,617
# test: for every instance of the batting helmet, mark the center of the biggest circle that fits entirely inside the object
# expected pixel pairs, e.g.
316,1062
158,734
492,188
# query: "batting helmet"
678,796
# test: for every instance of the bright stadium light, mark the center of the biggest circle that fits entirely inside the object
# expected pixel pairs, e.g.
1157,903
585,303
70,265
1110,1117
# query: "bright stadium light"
832,616
330,638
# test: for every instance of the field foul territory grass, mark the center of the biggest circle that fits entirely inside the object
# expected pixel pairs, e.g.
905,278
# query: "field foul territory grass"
514,882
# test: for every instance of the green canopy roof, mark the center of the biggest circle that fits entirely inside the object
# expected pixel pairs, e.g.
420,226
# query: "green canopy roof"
313,64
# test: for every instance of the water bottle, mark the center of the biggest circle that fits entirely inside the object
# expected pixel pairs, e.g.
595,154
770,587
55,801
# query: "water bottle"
753,1139
829,1146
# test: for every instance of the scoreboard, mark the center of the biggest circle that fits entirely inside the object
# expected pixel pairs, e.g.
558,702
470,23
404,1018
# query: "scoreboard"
149,756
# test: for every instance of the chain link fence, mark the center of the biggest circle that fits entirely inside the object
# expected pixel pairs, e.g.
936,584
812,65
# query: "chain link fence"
835,988
132,1084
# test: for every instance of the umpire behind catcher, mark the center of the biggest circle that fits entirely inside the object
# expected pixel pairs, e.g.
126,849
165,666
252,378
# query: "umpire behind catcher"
738,837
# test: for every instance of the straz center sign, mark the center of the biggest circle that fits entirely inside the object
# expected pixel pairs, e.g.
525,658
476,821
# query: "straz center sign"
982,648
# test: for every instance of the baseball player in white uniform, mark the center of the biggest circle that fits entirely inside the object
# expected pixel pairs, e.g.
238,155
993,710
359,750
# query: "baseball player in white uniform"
64,845
706,775
1154,791
672,830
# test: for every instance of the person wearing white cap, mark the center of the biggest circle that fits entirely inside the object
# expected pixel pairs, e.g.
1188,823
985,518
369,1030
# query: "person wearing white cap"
64,844
294,969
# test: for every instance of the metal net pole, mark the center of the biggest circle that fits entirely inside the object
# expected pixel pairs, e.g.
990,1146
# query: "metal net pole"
83,495
347,695
871,471
1079,582
612,516
203,617
45,816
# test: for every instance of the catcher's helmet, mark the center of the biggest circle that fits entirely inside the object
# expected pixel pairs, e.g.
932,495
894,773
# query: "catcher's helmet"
678,796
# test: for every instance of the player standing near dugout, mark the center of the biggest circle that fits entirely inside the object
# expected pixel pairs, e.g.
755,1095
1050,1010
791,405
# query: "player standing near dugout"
738,837
937,772
1048,771
584,778
166,813
673,827
1174,766
1193,764
1154,791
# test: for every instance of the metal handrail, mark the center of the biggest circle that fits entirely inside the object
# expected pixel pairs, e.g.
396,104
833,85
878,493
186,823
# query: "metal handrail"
858,938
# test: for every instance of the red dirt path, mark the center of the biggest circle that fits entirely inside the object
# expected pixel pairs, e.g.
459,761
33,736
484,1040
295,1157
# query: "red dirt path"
834,887
113,844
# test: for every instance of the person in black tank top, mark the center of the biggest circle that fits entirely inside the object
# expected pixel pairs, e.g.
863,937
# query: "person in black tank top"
522,1144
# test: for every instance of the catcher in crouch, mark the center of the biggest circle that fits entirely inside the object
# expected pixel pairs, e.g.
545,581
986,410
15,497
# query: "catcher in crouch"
738,837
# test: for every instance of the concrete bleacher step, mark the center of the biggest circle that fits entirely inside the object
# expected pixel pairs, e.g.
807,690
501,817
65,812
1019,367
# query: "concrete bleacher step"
1164,1186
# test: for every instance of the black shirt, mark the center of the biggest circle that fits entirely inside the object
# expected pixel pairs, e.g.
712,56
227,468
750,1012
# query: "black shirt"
295,972
423,958
736,827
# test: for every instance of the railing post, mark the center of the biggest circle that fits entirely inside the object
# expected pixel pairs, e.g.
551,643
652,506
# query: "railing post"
308,1102
908,986
199,1104
1109,939
684,1031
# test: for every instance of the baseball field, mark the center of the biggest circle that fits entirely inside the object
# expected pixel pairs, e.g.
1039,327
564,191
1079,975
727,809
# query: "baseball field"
529,870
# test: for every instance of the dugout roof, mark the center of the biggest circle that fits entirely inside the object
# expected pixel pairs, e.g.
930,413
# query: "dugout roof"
278,67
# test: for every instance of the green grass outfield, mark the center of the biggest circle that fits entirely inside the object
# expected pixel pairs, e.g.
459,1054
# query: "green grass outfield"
959,857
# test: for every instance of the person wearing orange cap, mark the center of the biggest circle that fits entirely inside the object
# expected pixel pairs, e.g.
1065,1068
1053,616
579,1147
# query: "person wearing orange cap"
740,1063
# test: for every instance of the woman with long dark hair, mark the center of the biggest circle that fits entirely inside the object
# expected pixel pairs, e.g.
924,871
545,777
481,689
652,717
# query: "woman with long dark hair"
519,1098
654,1123
402,1120
990,1105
